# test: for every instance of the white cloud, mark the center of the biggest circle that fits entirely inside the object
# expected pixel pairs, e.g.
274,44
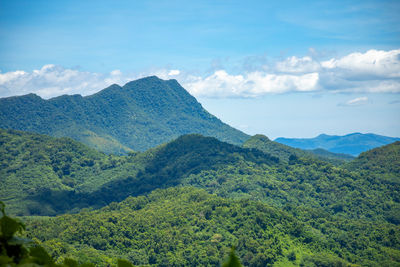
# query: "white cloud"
222,84
374,71
372,64
298,65
173,72
52,80
116,73
357,101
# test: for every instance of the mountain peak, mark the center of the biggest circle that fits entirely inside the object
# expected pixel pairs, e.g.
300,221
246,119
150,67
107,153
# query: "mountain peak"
146,79
260,137
142,114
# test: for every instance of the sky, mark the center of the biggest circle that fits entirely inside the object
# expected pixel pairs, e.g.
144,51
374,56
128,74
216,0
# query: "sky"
279,68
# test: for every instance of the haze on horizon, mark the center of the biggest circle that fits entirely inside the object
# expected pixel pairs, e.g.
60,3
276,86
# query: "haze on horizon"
281,69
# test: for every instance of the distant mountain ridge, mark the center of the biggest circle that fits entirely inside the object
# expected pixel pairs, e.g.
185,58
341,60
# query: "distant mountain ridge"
284,152
142,114
353,144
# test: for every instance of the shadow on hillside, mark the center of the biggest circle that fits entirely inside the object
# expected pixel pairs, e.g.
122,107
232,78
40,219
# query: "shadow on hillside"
171,163
53,202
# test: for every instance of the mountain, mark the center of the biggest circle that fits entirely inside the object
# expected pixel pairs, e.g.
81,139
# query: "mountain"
34,164
283,152
185,226
161,167
352,144
173,227
52,176
342,213
191,160
381,160
140,115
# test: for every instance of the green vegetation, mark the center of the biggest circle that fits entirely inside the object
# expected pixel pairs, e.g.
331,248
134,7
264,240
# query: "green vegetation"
287,209
140,115
179,227
383,160
17,251
33,164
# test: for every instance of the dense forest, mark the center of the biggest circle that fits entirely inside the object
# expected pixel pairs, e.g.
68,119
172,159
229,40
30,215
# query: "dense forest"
188,201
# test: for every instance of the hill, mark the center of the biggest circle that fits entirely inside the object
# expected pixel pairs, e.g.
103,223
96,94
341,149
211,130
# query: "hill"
346,212
352,144
283,152
162,167
65,178
381,160
34,164
140,115
188,227
233,172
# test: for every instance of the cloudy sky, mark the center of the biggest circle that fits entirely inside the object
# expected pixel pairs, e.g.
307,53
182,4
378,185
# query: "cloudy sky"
280,68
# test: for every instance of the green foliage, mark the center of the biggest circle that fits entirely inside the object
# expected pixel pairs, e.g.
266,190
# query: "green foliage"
322,260
176,226
233,260
124,263
33,164
140,115
349,212
382,161
16,251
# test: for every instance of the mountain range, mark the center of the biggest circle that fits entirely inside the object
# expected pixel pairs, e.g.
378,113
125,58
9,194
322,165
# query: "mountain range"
174,197
140,115
145,113
283,152
352,144
207,194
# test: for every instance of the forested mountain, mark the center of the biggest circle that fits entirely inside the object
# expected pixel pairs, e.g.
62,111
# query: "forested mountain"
140,115
187,227
352,144
230,171
298,209
283,152
381,160
34,164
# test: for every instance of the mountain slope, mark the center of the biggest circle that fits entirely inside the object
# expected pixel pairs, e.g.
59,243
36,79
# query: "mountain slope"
187,227
385,159
350,213
235,172
283,152
218,167
161,167
34,164
352,144
140,115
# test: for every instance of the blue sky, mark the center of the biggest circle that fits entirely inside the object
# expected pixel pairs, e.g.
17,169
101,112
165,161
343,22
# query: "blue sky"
317,66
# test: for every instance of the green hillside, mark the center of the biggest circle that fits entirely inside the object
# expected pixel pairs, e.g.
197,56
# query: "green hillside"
381,160
140,115
343,214
78,178
34,164
187,227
